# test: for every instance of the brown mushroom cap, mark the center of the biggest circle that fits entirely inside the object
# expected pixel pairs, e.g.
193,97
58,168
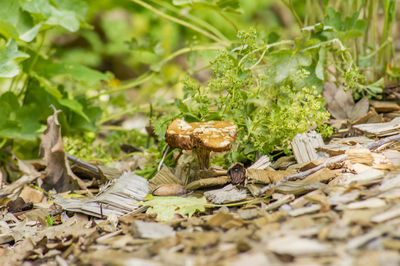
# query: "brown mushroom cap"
178,135
213,135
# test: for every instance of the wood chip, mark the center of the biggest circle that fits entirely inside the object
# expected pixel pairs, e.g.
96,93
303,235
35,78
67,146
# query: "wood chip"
385,107
368,203
387,215
366,178
304,146
296,246
381,129
226,194
151,230
275,205
360,155
305,210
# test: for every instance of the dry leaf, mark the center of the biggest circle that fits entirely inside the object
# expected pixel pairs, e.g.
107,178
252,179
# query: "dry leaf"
58,175
341,104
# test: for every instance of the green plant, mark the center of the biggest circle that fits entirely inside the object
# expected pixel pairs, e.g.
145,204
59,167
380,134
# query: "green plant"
269,102
31,78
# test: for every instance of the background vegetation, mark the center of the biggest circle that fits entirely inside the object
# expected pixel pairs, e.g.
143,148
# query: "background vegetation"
117,65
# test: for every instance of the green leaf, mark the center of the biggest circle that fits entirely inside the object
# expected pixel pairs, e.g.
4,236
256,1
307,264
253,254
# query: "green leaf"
349,27
9,11
9,57
286,63
319,69
74,106
41,9
64,18
79,7
50,220
19,121
167,207
49,69
30,34
8,30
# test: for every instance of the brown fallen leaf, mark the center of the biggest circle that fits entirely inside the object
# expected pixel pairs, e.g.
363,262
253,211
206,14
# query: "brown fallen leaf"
58,174
225,220
341,104
385,107
237,172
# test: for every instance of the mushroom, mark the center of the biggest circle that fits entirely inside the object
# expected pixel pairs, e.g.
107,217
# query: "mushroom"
178,135
212,136
204,136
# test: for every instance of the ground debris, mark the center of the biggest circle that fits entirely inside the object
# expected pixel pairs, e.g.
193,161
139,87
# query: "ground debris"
341,210
59,175
226,194
151,230
117,198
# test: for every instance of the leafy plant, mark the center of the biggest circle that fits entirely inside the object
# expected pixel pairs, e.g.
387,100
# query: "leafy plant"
31,79
269,104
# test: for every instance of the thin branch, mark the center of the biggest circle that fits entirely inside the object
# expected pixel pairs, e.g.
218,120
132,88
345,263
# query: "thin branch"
179,21
303,175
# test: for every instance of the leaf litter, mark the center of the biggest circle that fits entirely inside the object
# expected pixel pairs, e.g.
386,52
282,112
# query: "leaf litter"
335,204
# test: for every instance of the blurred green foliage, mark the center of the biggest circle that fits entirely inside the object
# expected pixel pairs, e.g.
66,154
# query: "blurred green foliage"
260,64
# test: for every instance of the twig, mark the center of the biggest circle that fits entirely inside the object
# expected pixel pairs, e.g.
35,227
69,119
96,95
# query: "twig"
25,179
179,21
83,163
162,159
303,175
376,144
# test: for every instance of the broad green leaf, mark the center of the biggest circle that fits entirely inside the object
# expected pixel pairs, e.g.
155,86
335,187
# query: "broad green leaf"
74,106
79,7
30,34
9,11
349,27
41,9
167,207
49,69
287,63
8,30
9,57
18,121
50,87
64,18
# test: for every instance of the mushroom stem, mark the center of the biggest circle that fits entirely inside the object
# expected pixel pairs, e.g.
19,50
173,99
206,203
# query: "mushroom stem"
203,156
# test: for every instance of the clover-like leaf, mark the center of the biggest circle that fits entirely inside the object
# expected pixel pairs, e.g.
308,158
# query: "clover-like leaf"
167,207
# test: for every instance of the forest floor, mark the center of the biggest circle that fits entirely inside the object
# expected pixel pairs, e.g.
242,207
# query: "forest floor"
338,207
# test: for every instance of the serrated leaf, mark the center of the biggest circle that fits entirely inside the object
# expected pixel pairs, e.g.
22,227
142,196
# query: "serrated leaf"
349,27
9,57
167,207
